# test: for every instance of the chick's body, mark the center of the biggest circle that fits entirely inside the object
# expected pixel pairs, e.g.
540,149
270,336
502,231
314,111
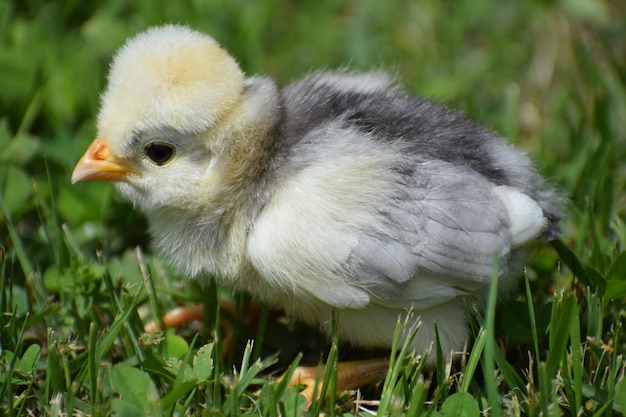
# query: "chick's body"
337,193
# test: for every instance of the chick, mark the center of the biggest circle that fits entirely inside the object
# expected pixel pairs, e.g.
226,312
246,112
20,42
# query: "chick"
339,193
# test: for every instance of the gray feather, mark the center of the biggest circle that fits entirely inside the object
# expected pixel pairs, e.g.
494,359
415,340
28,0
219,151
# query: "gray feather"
427,129
452,225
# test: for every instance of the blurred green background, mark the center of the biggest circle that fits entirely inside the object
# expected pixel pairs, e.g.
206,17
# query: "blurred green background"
548,74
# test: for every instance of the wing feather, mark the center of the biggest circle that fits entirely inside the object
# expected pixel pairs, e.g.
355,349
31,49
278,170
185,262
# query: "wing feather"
441,236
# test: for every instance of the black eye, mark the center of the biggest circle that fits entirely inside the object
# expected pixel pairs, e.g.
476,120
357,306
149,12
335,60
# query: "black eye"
160,153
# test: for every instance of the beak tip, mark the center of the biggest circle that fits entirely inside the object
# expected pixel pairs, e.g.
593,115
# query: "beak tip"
98,163
79,172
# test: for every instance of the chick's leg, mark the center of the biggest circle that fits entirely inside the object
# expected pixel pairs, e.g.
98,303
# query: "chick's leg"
350,375
177,317
184,315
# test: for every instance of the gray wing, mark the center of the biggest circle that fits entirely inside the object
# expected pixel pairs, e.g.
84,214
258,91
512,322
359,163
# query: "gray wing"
438,239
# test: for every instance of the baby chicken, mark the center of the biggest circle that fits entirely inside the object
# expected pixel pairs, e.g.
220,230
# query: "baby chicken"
339,193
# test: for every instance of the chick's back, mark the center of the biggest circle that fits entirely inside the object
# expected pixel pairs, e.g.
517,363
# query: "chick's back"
371,104
387,202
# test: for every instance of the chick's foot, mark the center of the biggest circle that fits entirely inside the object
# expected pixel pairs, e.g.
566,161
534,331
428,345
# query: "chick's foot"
350,376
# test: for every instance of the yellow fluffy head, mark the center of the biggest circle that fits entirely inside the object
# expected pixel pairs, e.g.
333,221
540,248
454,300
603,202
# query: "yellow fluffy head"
169,76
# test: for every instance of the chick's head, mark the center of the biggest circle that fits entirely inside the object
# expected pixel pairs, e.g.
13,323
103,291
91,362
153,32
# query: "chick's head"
170,90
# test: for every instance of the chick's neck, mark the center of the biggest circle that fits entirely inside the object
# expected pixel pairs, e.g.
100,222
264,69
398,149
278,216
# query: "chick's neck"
248,142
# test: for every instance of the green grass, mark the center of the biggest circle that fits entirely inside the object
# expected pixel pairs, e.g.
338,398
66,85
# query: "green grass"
549,75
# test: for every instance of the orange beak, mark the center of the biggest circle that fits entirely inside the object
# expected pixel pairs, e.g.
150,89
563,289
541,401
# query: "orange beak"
98,163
